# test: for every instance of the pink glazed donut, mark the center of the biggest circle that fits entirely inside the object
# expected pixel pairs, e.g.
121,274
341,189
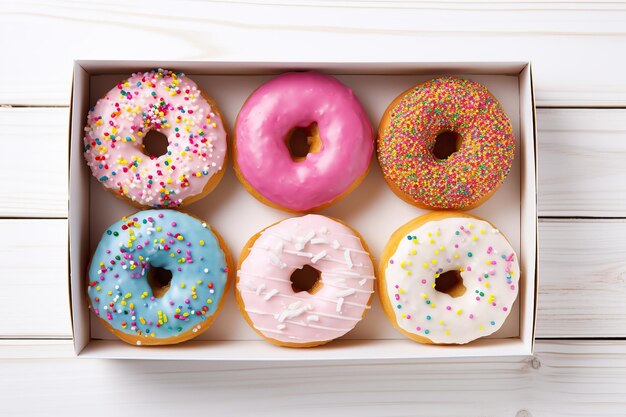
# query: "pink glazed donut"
291,312
338,132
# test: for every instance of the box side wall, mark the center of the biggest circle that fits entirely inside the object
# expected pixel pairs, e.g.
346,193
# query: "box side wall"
78,211
96,67
529,207
340,350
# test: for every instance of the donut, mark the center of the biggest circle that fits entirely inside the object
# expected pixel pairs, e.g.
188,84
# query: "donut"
276,304
463,110
338,132
124,294
448,278
172,104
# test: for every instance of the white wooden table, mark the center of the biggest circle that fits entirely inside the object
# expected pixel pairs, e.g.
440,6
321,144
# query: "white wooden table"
579,60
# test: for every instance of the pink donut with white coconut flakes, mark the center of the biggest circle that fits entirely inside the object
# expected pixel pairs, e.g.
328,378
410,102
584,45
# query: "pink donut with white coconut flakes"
273,302
339,134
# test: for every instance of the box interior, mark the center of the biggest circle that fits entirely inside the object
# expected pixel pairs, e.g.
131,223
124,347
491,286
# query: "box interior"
372,209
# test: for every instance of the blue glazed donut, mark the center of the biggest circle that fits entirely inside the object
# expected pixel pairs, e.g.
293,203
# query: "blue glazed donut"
119,290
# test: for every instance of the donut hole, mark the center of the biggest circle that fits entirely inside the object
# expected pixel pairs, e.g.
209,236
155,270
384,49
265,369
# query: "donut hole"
306,279
446,143
302,141
155,143
450,283
159,280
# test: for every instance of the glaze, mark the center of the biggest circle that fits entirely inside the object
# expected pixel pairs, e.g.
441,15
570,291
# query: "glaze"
346,280
407,136
488,266
118,286
298,99
167,102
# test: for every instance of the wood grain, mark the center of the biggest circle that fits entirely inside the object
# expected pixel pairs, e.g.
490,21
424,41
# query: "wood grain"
565,378
35,147
582,169
582,278
574,47
34,279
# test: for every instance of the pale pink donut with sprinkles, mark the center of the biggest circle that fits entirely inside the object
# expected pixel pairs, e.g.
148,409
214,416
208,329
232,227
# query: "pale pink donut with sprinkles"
426,248
173,105
343,293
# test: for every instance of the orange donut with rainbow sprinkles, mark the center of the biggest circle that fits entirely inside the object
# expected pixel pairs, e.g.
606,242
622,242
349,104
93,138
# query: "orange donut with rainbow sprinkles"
445,144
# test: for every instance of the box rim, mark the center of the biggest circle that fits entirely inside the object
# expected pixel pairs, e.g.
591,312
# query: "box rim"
252,67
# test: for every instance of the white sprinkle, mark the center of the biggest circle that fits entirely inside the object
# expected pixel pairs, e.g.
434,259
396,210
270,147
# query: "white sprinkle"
206,270
339,304
294,310
346,293
270,294
276,260
259,289
313,317
285,238
323,230
346,254
336,244
303,240
318,240
278,248
362,282
280,326
318,256
304,254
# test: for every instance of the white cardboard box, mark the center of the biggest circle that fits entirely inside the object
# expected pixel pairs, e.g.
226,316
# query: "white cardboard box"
372,209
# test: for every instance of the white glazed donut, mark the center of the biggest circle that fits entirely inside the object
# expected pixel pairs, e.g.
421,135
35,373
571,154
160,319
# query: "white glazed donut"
331,308
422,251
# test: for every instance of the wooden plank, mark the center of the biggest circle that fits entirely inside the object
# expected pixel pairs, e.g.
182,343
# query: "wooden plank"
34,162
36,349
582,265
582,276
567,42
582,169
34,279
565,378
581,162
